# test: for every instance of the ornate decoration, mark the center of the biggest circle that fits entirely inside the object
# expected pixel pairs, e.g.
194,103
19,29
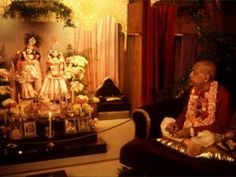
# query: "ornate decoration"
89,12
86,12
40,10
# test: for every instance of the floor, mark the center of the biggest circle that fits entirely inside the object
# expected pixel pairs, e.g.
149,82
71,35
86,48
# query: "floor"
115,132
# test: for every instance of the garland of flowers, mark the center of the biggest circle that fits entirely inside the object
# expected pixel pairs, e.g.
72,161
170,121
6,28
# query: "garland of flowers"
31,10
201,108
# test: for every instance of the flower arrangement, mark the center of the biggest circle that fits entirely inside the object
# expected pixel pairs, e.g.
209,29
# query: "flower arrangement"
75,72
82,105
9,103
5,90
4,74
2,55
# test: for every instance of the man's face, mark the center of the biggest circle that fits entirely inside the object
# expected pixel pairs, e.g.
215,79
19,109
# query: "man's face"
198,76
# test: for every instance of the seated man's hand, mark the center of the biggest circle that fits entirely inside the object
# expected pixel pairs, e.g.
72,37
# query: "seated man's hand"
172,127
183,133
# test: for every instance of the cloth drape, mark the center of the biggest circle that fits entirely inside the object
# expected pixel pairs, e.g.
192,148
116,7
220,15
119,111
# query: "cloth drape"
100,47
164,25
158,56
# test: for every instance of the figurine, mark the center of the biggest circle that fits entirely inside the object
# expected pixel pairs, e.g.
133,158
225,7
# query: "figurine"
28,71
54,85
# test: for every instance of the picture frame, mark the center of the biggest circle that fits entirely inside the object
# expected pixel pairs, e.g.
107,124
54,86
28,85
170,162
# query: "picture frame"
16,131
83,125
29,129
70,126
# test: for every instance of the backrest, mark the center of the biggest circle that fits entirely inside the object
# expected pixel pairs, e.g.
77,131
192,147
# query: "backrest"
107,89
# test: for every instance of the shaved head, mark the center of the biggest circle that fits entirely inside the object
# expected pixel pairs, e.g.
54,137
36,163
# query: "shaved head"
207,67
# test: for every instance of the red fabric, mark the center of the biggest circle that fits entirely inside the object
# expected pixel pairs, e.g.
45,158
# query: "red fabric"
223,114
190,49
158,48
147,62
164,30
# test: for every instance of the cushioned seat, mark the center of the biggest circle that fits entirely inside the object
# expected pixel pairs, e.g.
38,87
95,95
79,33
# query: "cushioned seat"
111,98
150,157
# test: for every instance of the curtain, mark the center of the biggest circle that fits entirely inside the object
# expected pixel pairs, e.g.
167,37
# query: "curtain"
164,30
188,48
100,47
147,62
158,56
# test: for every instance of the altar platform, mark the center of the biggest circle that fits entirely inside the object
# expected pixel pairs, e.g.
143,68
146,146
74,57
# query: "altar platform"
42,151
100,164
47,136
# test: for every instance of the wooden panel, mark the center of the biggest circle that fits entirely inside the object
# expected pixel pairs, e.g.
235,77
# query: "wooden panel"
133,70
135,13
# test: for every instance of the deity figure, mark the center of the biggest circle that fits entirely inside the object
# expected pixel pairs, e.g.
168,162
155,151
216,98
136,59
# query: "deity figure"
28,71
54,85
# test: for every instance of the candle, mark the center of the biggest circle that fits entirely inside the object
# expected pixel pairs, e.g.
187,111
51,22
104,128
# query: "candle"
72,96
5,118
18,98
50,125
59,98
66,100
89,113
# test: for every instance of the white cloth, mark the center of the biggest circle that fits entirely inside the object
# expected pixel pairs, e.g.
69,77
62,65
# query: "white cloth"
165,133
204,138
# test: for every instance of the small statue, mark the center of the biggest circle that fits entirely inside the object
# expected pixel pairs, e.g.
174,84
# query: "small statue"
28,71
54,85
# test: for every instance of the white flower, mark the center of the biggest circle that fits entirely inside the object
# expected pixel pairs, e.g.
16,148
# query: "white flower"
4,73
77,86
77,60
83,98
87,108
8,102
75,71
4,90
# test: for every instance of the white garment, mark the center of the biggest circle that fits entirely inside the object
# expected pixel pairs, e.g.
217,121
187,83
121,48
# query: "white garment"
204,138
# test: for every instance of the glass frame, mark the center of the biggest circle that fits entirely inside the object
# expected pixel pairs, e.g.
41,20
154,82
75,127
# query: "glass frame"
29,129
69,129
83,125
16,131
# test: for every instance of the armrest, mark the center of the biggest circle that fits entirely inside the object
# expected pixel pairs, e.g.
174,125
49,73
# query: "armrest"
147,119
142,123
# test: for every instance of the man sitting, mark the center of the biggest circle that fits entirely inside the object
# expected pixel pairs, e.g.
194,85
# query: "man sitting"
207,114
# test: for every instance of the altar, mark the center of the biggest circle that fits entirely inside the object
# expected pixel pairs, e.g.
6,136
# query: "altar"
44,136
45,117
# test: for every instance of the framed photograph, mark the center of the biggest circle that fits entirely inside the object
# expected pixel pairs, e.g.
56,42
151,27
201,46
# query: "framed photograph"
16,131
29,129
70,125
83,125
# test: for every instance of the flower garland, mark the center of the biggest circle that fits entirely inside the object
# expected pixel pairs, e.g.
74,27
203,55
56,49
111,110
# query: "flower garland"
39,10
201,107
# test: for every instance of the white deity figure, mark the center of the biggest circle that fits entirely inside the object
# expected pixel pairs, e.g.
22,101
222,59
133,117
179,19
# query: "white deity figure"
54,85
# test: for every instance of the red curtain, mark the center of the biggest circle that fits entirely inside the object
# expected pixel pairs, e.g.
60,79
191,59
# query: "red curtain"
164,31
158,49
147,62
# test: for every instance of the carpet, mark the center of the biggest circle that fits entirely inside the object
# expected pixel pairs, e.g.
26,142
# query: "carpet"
125,171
